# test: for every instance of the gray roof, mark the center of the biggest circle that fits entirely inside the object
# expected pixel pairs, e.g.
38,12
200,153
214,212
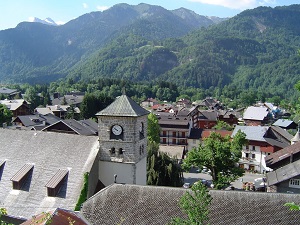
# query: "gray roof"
210,115
284,173
255,113
48,152
77,127
283,123
253,133
133,204
71,99
36,120
7,91
123,106
282,154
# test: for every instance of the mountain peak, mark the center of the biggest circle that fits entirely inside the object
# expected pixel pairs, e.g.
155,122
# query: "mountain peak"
47,21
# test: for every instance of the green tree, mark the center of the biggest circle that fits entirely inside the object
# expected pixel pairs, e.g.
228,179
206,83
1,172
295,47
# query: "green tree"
292,206
220,155
5,115
195,204
71,113
221,125
93,103
161,169
153,129
31,95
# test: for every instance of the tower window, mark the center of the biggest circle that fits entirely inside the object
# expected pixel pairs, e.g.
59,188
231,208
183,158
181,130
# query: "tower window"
120,151
112,150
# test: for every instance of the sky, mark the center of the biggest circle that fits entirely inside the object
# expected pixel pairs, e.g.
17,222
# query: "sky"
13,12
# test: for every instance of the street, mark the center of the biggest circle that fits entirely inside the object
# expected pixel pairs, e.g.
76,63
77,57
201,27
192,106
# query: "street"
193,176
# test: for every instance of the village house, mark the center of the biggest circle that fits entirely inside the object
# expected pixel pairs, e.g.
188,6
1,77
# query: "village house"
9,93
285,164
18,107
256,116
35,122
149,102
262,141
73,98
71,126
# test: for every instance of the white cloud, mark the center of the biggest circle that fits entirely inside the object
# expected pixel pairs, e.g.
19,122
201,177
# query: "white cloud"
232,4
102,8
85,5
267,2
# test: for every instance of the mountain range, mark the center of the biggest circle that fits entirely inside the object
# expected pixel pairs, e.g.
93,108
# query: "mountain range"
256,49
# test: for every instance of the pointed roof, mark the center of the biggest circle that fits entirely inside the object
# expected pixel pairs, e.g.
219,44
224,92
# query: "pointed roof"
296,138
123,106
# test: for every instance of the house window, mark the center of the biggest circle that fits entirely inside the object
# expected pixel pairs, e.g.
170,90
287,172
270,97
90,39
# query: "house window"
246,155
247,147
295,183
253,156
253,148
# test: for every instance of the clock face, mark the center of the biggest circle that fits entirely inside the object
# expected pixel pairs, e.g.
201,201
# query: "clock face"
117,130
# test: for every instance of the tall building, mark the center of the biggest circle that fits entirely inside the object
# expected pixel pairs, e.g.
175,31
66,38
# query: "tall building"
123,142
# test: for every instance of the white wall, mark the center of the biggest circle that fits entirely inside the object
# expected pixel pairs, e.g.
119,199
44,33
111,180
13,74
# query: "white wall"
141,173
124,172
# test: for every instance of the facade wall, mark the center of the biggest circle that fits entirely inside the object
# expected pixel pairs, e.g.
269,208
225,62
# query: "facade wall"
93,178
204,124
173,136
124,172
131,143
193,143
141,172
253,159
286,187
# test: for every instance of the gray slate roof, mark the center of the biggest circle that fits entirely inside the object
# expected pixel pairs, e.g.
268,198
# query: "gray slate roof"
284,173
77,126
48,152
135,204
255,113
123,106
254,133
283,123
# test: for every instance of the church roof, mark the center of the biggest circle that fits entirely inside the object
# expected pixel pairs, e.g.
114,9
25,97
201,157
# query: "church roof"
123,106
47,152
136,204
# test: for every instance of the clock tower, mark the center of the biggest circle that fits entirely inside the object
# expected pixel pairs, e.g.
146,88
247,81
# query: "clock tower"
123,142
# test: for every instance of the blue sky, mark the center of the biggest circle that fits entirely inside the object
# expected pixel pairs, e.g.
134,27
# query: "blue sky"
13,12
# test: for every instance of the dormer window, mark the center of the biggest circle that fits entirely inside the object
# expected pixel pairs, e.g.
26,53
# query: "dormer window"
55,184
20,178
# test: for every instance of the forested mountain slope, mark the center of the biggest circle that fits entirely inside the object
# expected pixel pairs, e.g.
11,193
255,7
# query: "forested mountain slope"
34,52
255,50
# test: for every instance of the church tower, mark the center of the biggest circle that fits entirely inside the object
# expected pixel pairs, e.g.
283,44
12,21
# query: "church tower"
123,142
